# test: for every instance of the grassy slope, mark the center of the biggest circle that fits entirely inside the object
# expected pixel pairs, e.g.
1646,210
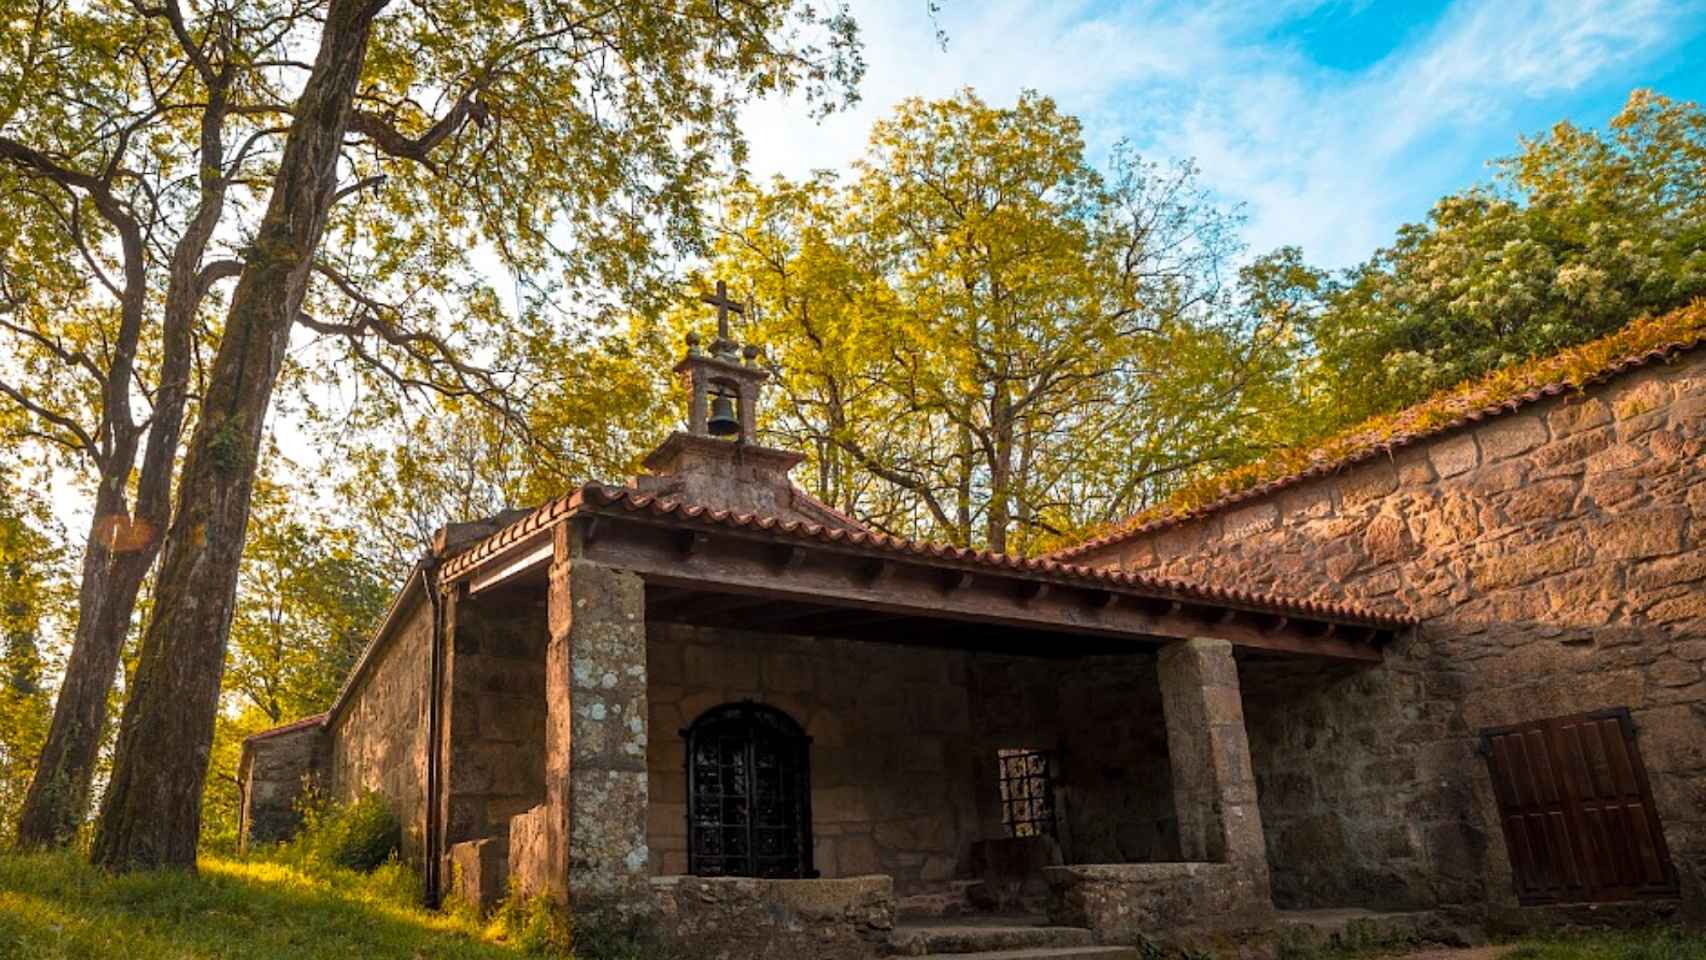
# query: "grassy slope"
54,907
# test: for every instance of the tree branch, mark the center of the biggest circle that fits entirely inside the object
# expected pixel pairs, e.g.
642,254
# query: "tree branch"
59,420
390,141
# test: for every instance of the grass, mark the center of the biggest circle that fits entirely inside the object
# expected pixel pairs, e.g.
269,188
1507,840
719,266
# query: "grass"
1661,944
57,907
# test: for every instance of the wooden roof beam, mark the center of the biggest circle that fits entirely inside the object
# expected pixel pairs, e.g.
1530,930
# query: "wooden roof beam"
840,579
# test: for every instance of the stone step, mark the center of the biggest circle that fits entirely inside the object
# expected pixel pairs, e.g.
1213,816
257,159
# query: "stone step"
1045,953
978,935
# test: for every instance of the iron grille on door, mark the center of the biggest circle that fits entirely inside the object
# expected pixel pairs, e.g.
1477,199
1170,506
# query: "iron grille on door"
748,794
1577,810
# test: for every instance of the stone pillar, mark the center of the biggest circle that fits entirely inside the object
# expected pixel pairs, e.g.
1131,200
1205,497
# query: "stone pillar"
1214,790
595,735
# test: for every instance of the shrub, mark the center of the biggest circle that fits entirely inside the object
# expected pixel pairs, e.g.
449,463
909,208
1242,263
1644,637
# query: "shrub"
360,836
534,925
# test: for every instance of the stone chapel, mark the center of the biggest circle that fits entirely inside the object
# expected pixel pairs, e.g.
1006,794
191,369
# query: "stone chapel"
1455,677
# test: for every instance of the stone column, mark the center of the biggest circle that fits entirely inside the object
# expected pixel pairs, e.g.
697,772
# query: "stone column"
1214,790
595,736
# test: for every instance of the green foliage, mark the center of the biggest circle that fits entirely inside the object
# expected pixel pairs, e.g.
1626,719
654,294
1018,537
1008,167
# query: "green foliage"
58,907
226,447
139,146
534,925
398,483
361,836
1659,943
308,601
1588,248
1574,366
32,591
1580,233
984,340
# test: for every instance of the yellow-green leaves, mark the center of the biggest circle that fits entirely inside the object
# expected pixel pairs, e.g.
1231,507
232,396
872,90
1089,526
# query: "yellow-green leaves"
970,331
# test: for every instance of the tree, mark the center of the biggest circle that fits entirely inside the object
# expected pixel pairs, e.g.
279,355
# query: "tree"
30,589
398,483
86,258
307,603
609,114
971,332
1581,232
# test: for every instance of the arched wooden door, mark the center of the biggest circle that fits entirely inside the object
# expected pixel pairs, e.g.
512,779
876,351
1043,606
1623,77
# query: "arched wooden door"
748,794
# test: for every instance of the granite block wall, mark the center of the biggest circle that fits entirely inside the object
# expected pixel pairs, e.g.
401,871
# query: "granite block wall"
495,678
378,740
275,770
904,741
1557,557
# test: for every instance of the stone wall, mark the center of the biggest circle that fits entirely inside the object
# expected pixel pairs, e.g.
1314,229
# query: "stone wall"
904,741
496,714
275,769
1557,555
378,740
732,918
1102,718
1133,902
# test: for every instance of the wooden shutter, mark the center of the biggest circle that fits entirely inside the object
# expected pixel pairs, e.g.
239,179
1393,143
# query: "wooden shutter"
1577,810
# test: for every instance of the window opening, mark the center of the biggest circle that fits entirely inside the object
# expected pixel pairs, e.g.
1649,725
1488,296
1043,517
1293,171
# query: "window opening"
1027,792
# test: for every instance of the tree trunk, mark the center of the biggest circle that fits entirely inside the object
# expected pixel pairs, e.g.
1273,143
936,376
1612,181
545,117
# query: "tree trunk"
1000,510
152,813
120,551
115,561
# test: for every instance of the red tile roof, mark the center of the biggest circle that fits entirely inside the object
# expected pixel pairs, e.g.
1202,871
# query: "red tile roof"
294,725
1378,444
612,500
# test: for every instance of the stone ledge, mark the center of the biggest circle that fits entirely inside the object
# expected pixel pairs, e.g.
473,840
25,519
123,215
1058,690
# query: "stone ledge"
1129,903
479,871
744,917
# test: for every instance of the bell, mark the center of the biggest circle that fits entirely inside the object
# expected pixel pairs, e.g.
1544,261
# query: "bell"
722,422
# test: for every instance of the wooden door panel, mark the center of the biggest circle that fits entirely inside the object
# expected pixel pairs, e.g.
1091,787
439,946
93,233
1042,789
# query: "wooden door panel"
1577,810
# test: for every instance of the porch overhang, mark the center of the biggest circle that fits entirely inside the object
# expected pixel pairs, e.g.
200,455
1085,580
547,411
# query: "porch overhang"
717,568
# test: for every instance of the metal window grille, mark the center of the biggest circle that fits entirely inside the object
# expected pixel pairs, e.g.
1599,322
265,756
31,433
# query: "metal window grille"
749,794
1027,793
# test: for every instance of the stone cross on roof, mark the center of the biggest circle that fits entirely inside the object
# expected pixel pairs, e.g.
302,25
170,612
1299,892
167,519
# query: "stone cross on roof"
724,303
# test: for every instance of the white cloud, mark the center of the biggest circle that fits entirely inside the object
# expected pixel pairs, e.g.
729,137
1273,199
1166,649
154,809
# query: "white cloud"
1330,160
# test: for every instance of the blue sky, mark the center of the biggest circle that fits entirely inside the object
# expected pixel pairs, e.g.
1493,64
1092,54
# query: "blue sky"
1332,121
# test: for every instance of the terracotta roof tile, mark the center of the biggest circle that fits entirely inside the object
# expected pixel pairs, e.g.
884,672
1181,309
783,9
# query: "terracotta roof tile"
595,495
1373,448
291,727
